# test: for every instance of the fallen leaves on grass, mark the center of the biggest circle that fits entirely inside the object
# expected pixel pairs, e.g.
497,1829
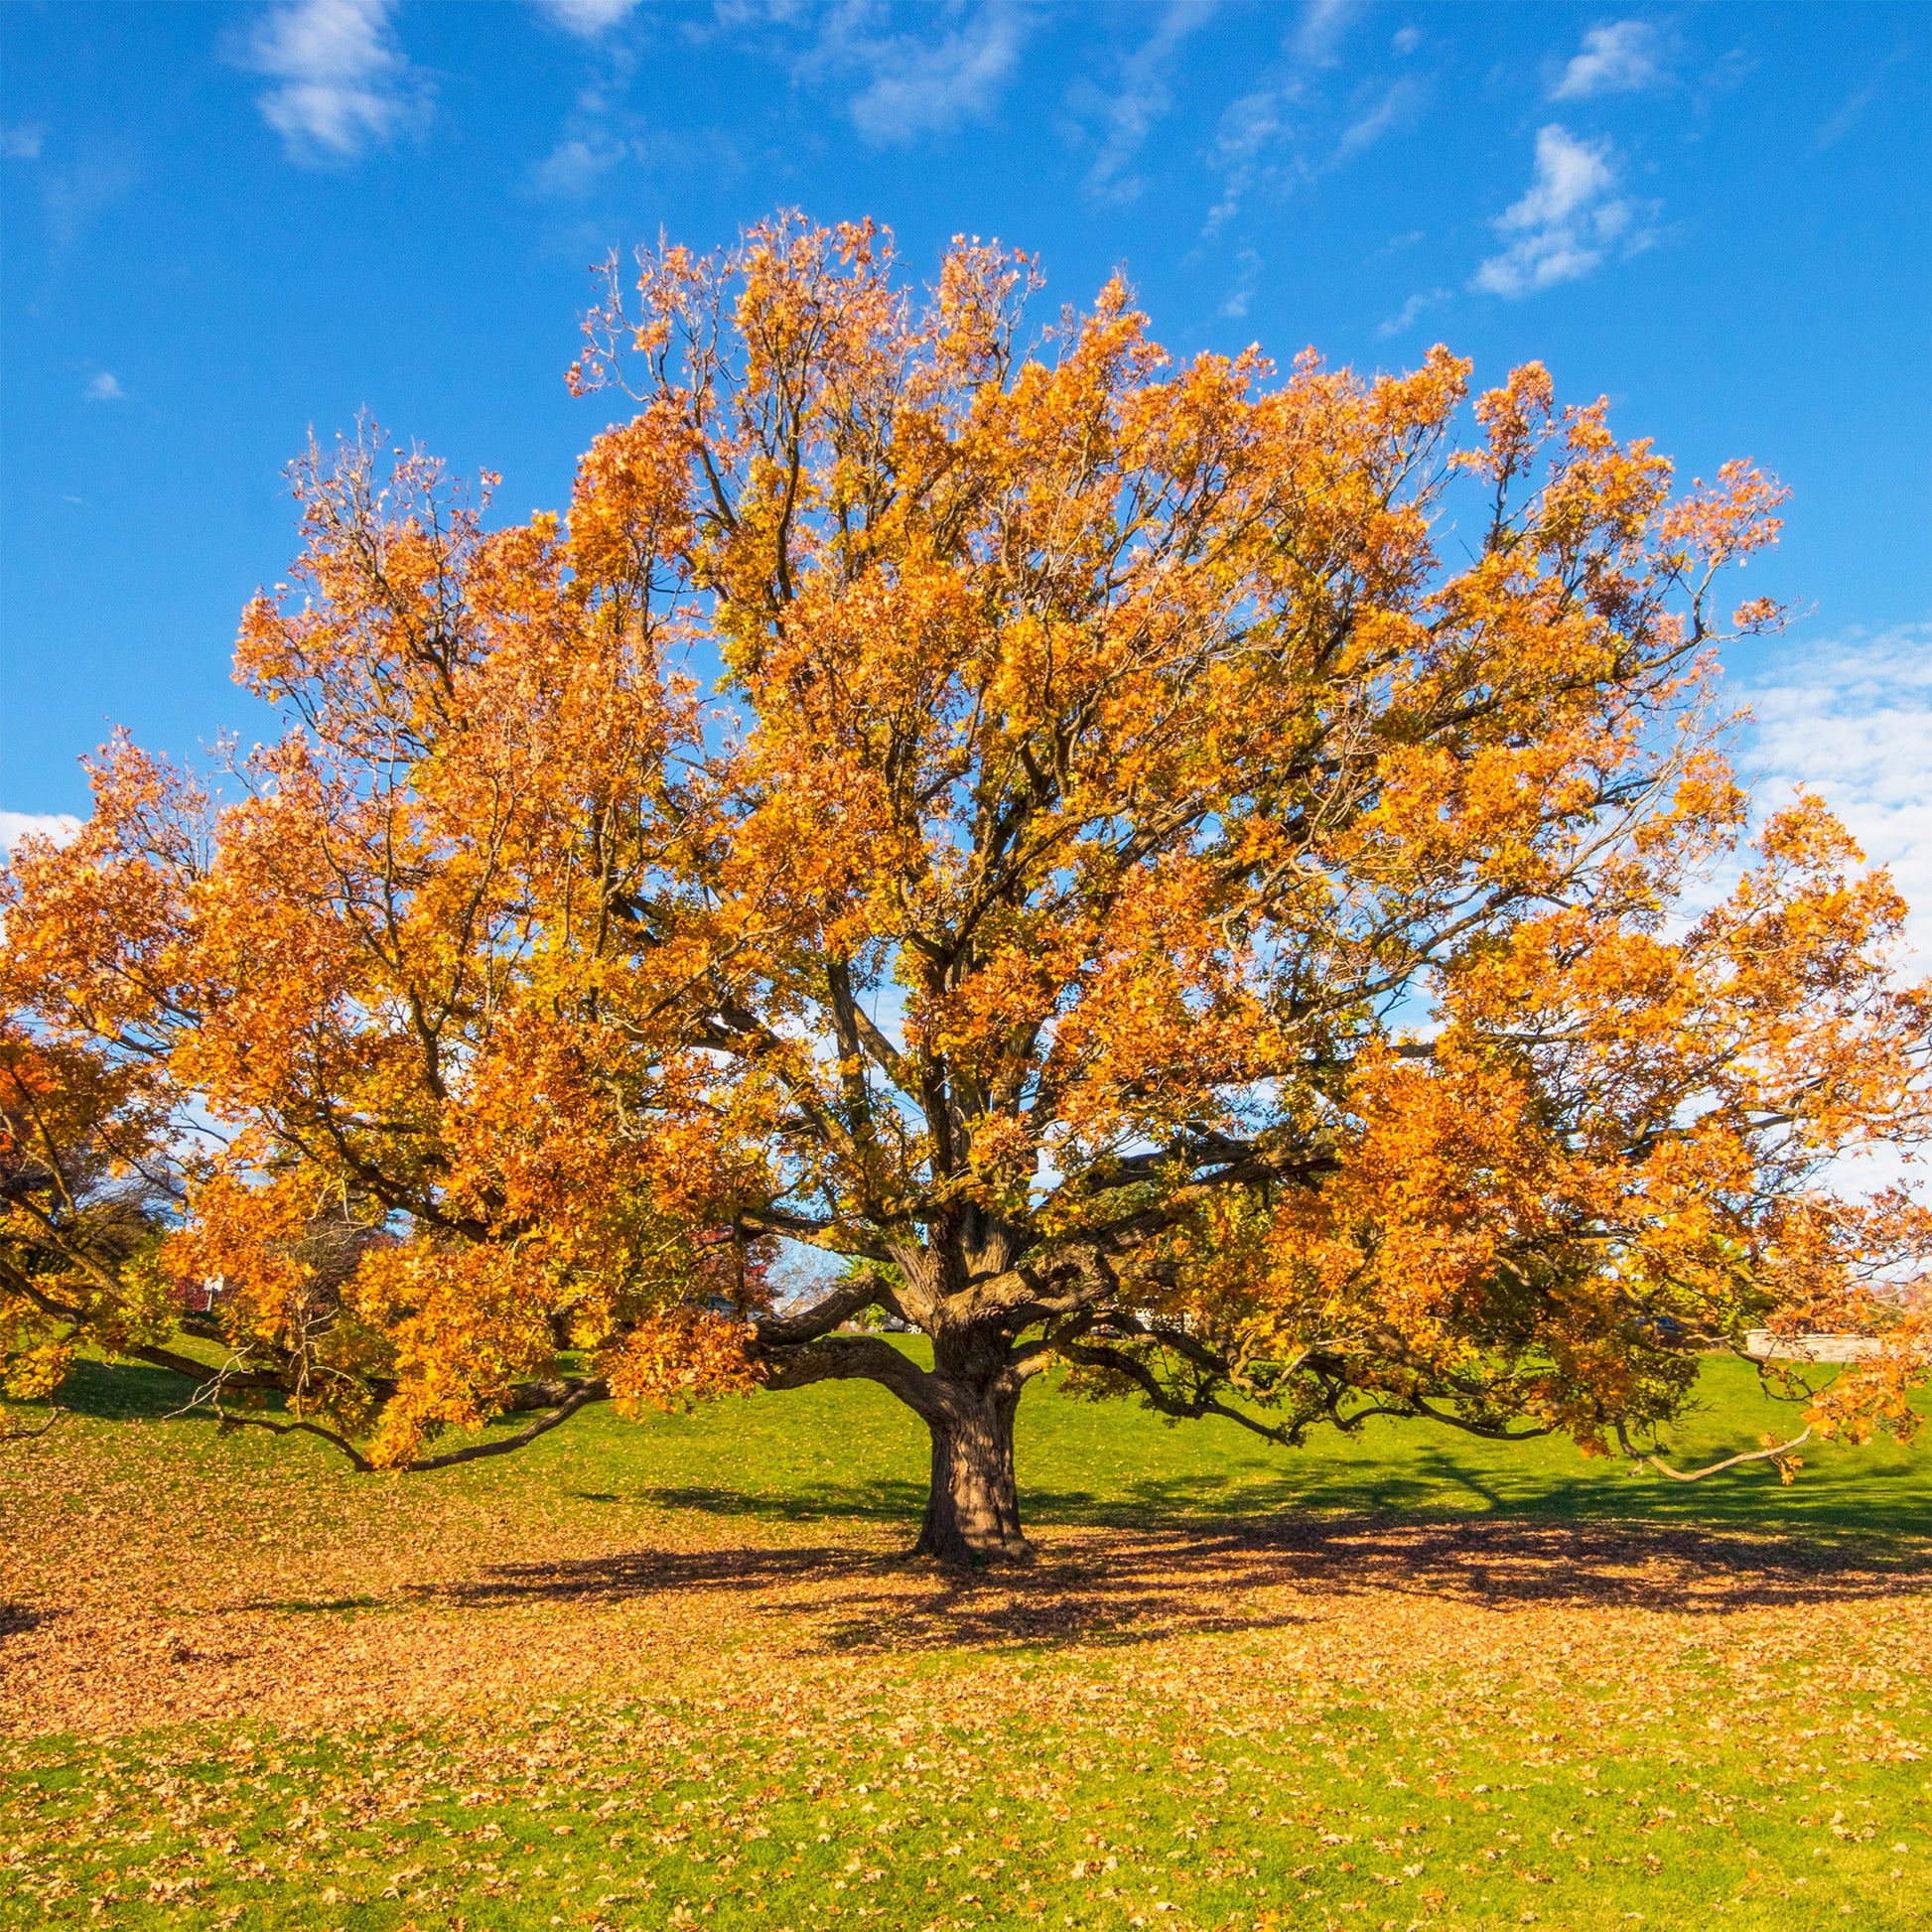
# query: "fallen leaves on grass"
413,1695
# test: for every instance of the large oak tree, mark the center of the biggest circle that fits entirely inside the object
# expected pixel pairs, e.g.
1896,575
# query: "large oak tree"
1224,883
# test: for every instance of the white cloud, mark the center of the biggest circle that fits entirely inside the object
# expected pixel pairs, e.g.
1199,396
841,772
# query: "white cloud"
573,167
1251,129
106,387
1624,58
1317,34
1143,100
1398,105
1572,215
588,18
1411,310
1236,306
917,87
1851,719
57,826
345,84
21,142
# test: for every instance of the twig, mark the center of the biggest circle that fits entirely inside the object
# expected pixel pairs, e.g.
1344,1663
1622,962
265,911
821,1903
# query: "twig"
10,1433
228,1419
207,1400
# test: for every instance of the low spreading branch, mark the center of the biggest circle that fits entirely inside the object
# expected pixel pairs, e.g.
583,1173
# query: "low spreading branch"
1773,1452
11,1432
595,1390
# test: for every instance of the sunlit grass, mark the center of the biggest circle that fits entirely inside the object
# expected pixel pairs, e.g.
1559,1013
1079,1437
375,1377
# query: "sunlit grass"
1468,1741
1102,1817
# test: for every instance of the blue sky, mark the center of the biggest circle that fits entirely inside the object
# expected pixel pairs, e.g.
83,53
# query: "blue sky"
225,224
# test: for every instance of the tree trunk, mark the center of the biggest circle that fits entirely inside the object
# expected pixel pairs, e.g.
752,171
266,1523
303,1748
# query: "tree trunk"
972,1514
966,1400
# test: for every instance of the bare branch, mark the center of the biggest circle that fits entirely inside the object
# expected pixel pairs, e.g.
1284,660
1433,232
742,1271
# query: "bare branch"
9,1434
226,1418
1164,1401
1771,1455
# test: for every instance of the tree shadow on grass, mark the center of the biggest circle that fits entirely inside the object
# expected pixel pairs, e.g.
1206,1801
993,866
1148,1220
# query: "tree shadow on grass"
1822,1508
1836,1502
1840,1495
1109,1587
120,1392
883,1500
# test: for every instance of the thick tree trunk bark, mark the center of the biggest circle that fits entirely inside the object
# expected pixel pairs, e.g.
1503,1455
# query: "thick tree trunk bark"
966,1400
972,1514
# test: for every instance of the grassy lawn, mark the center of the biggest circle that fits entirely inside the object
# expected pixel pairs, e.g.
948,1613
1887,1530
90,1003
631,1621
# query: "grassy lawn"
678,1673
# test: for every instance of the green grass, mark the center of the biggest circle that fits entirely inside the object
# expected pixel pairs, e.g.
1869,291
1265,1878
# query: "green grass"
740,1828
851,1453
1107,1463
1568,1738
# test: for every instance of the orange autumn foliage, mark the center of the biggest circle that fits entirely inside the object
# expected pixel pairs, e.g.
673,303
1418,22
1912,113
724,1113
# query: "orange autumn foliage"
1130,898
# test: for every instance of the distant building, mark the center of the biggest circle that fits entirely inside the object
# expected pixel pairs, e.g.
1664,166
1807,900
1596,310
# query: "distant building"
199,1296
1764,1346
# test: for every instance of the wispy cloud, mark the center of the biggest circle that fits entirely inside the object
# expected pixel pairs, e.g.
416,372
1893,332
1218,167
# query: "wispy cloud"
15,826
1850,112
1835,127
74,196
1317,34
1572,216
1624,58
1247,148
71,195
1850,719
604,143
573,167
1411,312
586,18
1285,133
1388,107
910,84
1395,243
1144,98
106,387
598,134
345,84
1235,304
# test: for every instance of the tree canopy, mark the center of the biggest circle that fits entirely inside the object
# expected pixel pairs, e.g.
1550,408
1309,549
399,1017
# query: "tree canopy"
1224,883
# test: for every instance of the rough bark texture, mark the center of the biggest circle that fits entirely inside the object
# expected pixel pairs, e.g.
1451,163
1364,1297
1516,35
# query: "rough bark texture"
972,1511
966,1400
